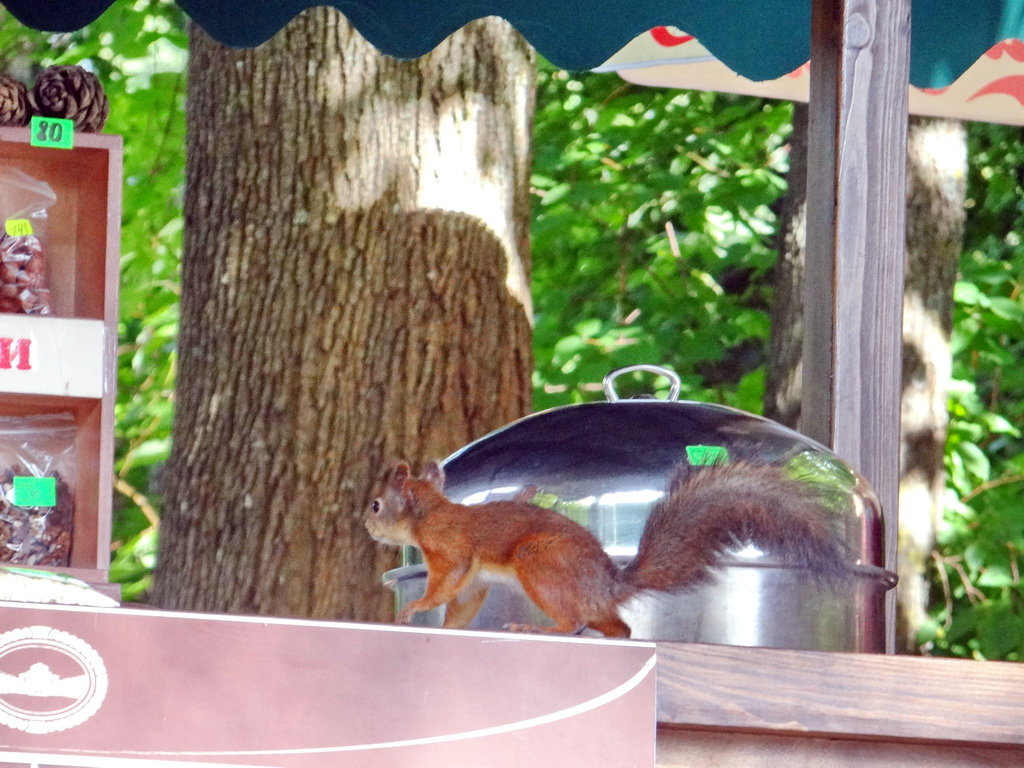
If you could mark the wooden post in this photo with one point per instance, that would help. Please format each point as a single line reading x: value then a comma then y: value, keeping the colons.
x: 855, y: 240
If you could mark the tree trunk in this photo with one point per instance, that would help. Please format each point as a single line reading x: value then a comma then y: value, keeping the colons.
x: 936, y: 190
x: 783, y: 378
x: 936, y: 178
x: 354, y: 291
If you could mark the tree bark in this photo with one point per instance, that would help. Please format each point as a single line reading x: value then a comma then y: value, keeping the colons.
x: 354, y: 291
x: 783, y: 377
x: 936, y: 191
x: 936, y: 178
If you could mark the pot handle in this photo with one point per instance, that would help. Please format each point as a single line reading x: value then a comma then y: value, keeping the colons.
x: 609, y: 381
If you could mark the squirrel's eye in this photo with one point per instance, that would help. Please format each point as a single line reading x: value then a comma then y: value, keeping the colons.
x: 375, y: 507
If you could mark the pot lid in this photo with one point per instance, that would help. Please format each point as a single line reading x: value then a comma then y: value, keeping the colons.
x: 606, y: 464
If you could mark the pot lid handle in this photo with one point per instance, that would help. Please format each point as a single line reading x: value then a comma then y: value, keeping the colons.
x: 609, y: 380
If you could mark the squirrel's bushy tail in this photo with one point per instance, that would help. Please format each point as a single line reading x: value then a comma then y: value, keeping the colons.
x: 708, y: 510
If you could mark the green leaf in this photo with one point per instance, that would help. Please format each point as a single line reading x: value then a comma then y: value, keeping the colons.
x: 975, y: 461
x: 999, y: 424
x: 1007, y: 309
x: 967, y: 293
x: 1000, y: 632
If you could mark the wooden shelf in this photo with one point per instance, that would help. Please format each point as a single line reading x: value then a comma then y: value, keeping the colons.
x: 752, y: 706
x: 72, y: 353
x: 83, y: 228
x: 56, y: 356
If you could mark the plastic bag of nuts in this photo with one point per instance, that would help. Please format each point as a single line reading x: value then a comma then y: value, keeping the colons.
x: 37, y: 463
x: 23, y: 281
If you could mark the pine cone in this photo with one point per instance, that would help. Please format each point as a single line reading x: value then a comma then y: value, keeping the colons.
x: 71, y: 92
x: 13, y: 102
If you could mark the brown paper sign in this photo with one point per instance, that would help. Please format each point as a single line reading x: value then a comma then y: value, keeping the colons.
x: 89, y: 688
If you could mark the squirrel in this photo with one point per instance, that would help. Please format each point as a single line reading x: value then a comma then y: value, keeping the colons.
x: 564, y: 569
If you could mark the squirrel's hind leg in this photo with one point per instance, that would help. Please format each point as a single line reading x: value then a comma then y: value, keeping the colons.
x: 555, y: 604
x: 611, y: 627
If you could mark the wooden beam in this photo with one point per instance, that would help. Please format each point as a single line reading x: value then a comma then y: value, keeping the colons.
x: 855, y: 239
x: 842, y: 695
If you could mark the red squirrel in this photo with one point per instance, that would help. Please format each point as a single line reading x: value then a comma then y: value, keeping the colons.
x: 562, y: 566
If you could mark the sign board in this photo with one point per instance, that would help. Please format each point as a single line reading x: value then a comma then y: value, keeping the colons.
x: 52, y: 356
x: 89, y: 687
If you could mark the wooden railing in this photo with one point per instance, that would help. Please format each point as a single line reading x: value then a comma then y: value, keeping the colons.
x: 729, y: 706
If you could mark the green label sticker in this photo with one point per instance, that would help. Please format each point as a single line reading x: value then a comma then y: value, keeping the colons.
x: 707, y: 455
x: 35, y: 492
x: 18, y: 227
x: 56, y: 132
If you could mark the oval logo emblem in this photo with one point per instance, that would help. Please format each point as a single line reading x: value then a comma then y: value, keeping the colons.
x: 50, y: 680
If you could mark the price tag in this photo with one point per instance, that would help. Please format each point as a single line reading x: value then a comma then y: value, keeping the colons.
x: 707, y: 455
x: 58, y: 132
x: 35, y: 492
x: 18, y: 227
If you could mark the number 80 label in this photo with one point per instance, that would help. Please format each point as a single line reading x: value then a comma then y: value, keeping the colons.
x: 58, y: 132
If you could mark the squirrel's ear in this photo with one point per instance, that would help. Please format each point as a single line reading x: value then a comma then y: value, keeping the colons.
x: 433, y: 474
x: 399, y: 475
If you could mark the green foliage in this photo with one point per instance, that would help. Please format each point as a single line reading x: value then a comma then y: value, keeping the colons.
x: 652, y: 235
x: 978, y: 606
x: 138, y: 51
x: 616, y: 164
x: 147, y: 108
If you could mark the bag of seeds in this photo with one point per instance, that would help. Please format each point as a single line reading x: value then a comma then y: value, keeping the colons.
x: 37, y: 465
x: 23, y: 281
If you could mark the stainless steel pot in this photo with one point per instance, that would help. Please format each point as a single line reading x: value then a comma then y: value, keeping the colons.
x: 606, y: 464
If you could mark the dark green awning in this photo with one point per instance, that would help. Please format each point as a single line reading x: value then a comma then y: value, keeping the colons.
x: 760, y: 39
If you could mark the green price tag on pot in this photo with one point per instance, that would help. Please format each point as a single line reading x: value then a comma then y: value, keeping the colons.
x: 35, y: 492
x: 58, y: 132
x: 707, y: 455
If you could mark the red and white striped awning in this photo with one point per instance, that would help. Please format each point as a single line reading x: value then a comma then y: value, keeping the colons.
x: 991, y: 90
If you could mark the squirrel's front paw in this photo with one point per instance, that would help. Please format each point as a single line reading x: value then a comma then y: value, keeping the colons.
x: 405, y: 615
x: 521, y: 628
